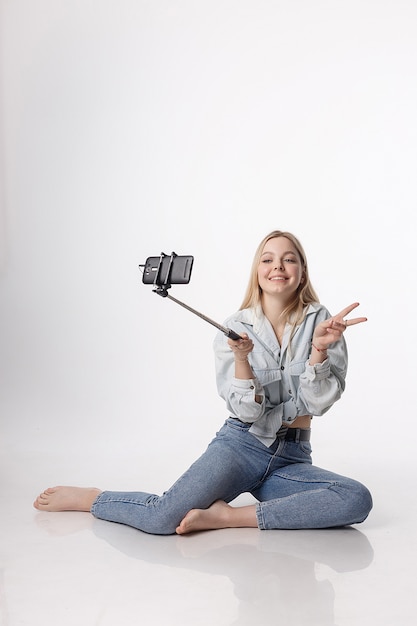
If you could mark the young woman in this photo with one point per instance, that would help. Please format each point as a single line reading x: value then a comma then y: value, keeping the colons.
x: 289, y: 365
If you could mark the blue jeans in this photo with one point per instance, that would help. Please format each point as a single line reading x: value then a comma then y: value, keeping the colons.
x: 291, y: 492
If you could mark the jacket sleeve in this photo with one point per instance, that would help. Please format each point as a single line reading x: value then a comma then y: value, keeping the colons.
x: 238, y: 394
x: 321, y: 385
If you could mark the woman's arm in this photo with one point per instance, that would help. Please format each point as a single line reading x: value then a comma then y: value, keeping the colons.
x: 323, y: 380
x: 236, y: 381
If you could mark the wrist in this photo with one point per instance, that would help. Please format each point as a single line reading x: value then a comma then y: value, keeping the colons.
x: 318, y: 349
x: 245, y: 360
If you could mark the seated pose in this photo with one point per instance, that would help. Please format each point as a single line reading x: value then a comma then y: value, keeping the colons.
x: 289, y: 365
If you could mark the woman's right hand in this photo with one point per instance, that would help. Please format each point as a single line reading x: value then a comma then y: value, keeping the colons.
x: 241, y: 347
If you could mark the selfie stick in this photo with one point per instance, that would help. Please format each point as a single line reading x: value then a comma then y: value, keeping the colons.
x: 161, y: 288
x: 227, y: 331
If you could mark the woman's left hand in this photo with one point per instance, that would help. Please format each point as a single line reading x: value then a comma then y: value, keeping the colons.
x: 332, y: 329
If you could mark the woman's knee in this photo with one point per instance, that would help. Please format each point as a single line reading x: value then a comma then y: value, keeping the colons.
x: 366, y: 500
x: 358, y: 500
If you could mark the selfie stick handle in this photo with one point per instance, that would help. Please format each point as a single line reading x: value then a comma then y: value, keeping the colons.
x: 227, y: 331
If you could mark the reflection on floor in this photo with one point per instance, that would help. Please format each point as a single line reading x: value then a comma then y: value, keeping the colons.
x: 69, y: 569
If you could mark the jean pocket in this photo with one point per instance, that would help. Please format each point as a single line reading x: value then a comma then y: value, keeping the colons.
x: 297, y: 452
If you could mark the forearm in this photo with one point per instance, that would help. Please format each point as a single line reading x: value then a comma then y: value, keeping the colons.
x: 318, y: 354
x: 243, y: 371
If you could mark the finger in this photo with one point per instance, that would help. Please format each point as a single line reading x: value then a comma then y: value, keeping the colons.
x: 234, y: 342
x: 240, y: 344
x: 336, y: 324
x: 356, y: 320
x: 346, y: 311
x: 340, y: 324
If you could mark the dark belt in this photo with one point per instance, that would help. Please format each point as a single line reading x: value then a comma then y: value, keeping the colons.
x: 294, y: 434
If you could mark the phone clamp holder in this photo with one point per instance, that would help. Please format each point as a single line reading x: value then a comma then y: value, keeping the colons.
x: 162, y: 283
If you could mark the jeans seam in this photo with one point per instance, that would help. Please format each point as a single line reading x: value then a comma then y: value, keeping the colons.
x: 260, y: 516
x: 328, y: 483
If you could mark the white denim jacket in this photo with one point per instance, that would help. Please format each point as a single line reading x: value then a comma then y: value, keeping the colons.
x: 288, y: 385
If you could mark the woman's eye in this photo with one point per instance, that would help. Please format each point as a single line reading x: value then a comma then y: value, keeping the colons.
x: 289, y: 260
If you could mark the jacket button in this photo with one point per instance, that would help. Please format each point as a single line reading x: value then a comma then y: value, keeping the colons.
x: 282, y: 367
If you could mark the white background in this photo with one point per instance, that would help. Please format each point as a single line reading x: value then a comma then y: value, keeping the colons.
x: 138, y: 126
x: 132, y: 127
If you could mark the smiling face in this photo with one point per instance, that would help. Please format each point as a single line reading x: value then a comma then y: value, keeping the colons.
x: 280, y: 269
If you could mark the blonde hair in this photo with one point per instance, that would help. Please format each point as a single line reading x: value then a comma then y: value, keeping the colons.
x: 305, y: 294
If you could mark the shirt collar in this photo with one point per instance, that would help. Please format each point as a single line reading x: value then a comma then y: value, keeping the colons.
x: 255, y: 316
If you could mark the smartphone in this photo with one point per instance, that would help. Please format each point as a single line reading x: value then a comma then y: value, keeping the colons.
x: 156, y: 269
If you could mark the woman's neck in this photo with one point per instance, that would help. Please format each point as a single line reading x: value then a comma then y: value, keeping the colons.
x: 273, y: 309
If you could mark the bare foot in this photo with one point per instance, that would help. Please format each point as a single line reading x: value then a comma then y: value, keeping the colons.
x: 66, y: 499
x: 218, y: 515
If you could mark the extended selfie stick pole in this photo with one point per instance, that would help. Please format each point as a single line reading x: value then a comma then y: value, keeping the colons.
x: 227, y: 331
x: 161, y: 288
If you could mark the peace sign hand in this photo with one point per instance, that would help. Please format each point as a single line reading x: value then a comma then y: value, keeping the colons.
x: 332, y: 329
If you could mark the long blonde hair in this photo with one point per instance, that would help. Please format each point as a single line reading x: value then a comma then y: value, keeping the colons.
x: 305, y: 294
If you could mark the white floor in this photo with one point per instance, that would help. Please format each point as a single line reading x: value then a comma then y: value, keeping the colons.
x: 72, y: 570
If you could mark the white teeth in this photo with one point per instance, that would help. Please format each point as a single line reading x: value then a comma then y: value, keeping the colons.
x: 277, y: 278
